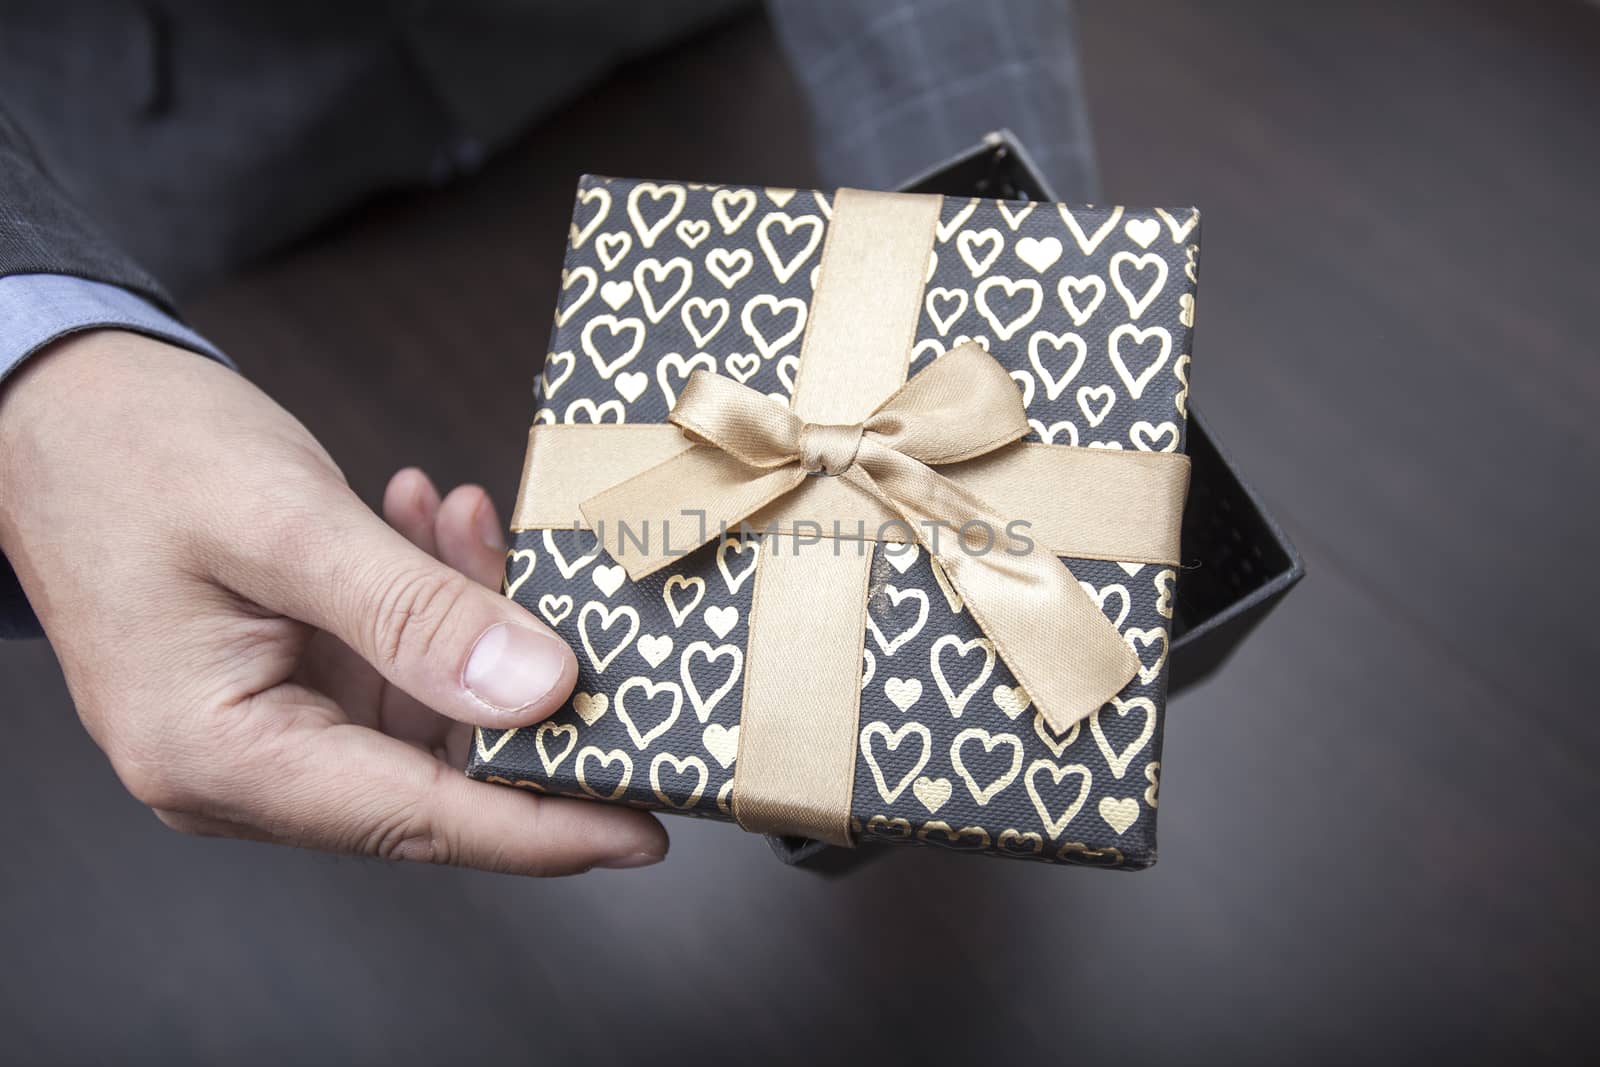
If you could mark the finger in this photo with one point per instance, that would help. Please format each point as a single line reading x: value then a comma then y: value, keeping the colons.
x: 456, y: 646
x: 468, y: 534
x: 469, y: 538
x: 347, y: 789
x: 411, y: 505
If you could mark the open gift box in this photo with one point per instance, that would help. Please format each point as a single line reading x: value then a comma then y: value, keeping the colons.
x: 1007, y: 702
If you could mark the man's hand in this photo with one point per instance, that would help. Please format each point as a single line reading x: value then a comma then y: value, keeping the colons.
x: 259, y: 654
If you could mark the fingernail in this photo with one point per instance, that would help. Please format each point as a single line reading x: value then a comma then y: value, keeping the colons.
x: 513, y: 666
x: 488, y: 524
x: 633, y: 859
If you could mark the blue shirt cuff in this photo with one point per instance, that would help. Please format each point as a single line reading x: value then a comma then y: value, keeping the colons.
x: 36, y: 309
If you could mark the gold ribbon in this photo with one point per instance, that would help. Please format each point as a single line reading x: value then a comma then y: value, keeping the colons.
x: 857, y: 451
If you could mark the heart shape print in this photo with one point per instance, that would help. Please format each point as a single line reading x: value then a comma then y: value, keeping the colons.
x: 663, y: 717
x: 549, y: 759
x: 1039, y: 253
x: 886, y: 607
x: 932, y: 793
x: 1057, y: 343
x: 1087, y: 243
x: 1119, y: 813
x: 798, y: 250
x: 514, y: 578
x: 680, y: 768
x: 1009, y: 305
x: 957, y: 702
x: 605, y: 760
x: 612, y: 343
x: 729, y: 265
x: 651, y: 220
x: 732, y: 207
x: 738, y: 547
x: 979, y: 249
x: 1074, y: 294
x: 1128, y: 262
x: 1151, y: 363
x: 892, y: 739
x: 706, y: 699
x: 761, y: 319
x: 594, y: 610
x: 983, y: 794
x: 662, y: 285
x: 1118, y: 761
x: 704, y: 319
x: 1056, y: 824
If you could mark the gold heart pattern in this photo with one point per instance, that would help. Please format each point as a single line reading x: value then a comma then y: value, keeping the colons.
x: 1091, y: 311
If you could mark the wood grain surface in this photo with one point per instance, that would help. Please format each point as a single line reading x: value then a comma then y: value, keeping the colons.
x: 1378, y: 823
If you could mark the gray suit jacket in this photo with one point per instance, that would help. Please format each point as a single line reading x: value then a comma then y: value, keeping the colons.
x: 154, y: 144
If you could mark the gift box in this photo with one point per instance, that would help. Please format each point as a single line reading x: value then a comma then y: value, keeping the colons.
x: 760, y: 409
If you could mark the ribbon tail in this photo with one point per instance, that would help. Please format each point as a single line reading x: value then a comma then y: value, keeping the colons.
x: 1050, y: 633
x: 1064, y: 651
x: 660, y: 515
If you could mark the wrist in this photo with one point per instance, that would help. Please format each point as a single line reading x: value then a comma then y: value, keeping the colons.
x: 25, y: 398
x: 71, y: 388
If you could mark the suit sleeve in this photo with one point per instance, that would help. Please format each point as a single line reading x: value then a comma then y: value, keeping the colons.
x: 898, y: 86
x: 43, y: 232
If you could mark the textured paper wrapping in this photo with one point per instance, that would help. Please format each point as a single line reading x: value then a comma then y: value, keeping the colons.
x: 1091, y: 309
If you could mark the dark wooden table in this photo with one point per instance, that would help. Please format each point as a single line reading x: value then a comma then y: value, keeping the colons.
x: 1379, y: 832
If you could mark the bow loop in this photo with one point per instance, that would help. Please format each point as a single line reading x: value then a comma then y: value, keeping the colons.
x: 962, y: 406
x: 734, y: 418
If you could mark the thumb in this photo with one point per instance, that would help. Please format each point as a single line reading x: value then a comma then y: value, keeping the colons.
x: 454, y: 645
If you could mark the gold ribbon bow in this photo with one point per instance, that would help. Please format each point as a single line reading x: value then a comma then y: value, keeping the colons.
x: 750, y: 452
x: 852, y: 459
